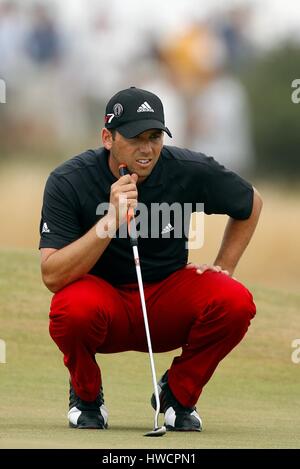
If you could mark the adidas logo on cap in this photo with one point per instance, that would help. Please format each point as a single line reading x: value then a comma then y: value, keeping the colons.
x: 145, y: 107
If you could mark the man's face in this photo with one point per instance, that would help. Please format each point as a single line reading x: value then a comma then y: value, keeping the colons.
x: 140, y: 154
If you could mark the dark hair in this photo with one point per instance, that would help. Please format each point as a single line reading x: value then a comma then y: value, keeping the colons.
x: 113, y: 133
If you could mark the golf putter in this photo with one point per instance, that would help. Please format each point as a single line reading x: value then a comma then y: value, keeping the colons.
x: 157, y: 431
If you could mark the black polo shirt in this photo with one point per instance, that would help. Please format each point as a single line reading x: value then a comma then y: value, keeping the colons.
x: 75, y: 189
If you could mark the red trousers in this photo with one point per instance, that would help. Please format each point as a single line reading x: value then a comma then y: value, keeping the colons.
x: 206, y: 315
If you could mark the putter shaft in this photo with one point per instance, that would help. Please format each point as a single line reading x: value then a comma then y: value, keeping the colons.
x: 157, y: 431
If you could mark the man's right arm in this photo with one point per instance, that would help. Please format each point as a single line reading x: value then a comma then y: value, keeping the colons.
x: 62, y: 266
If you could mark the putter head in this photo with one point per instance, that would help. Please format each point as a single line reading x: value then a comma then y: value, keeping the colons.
x: 159, y: 431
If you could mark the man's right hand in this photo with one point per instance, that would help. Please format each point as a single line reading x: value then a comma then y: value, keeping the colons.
x: 63, y: 266
x: 123, y: 195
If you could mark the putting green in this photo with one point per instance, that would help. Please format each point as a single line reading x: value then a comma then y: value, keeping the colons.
x: 252, y: 401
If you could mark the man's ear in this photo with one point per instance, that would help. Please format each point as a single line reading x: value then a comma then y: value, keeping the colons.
x: 106, y: 138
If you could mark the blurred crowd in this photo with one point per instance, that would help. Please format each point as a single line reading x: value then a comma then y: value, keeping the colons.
x: 58, y: 79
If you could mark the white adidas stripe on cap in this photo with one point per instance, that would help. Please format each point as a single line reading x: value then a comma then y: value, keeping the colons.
x: 145, y: 107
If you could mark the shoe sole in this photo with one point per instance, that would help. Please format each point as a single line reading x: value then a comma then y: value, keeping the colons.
x: 81, y: 427
x: 172, y: 429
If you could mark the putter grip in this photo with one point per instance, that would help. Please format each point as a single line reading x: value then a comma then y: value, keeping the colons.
x: 123, y: 170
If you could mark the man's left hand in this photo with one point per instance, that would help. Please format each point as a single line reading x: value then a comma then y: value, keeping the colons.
x: 200, y: 268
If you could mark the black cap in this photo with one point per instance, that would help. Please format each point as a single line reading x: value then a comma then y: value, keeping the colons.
x: 132, y: 111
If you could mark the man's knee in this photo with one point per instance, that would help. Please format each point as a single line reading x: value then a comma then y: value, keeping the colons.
x: 77, y: 305
x: 238, y: 307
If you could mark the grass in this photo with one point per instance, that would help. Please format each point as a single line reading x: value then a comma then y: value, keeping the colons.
x: 252, y: 401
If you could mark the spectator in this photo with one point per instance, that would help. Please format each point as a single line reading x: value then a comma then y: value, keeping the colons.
x: 43, y: 44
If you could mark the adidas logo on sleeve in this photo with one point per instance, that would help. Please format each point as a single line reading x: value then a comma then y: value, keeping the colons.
x: 145, y: 107
x: 45, y: 228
